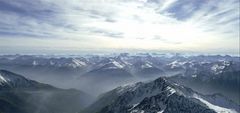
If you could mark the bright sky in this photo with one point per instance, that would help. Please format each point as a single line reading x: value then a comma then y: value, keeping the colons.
x: 210, y: 26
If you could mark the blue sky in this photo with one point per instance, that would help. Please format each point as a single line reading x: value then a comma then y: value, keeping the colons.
x: 210, y: 26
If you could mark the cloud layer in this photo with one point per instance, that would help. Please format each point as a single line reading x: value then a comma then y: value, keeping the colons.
x: 175, y: 25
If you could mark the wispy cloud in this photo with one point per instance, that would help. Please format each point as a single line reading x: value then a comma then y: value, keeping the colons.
x: 184, y: 24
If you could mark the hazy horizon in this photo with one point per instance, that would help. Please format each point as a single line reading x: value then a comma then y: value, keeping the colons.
x: 115, y: 52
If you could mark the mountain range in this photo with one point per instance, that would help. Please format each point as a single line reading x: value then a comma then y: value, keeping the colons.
x: 99, y: 73
x: 126, y: 83
x: 21, y: 95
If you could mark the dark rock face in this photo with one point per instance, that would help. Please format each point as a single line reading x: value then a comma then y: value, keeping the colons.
x: 152, y: 97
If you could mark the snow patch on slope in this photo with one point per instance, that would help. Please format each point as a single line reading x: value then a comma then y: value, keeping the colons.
x: 3, y: 80
x: 217, y: 68
x: 35, y: 63
x: 117, y: 64
x: 216, y: 108
x: 146, y: 65
x: 77, y: 63
x: 176, y: 64
x: 160, y: 111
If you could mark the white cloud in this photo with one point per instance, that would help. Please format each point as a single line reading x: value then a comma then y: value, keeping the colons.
x: 120, y: 24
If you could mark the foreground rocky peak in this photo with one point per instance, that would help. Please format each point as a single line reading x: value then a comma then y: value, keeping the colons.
x: 158, y: 96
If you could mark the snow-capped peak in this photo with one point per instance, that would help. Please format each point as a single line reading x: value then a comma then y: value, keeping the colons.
x: 161, y: 95
x: 12, y: 80
x: 112, y: 64
x: 7, y: 78
x: 147, y: 89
